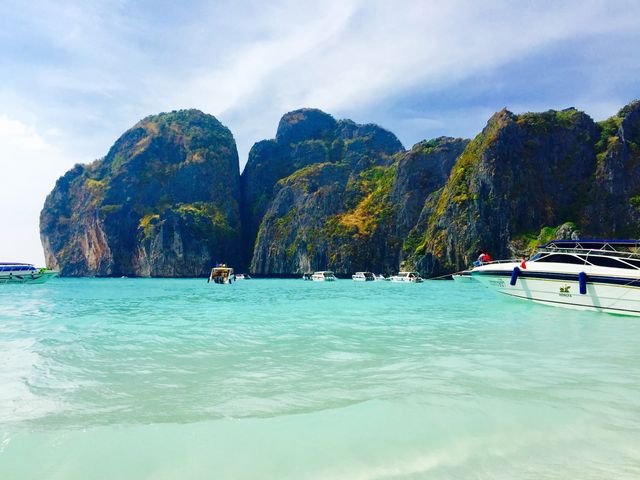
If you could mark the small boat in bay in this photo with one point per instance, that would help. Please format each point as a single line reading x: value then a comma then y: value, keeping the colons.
x: 324, y: 276
x: 24, y: 273
x: 600, y: 275
x: 243, y: 276
x: 407, y: 277
x: 221, y: 275
x: 363, y: 277
x: 463, y: 276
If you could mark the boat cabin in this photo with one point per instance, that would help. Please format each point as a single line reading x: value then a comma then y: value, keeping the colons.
x: 323, y: 276
x: 363, y: 277
x: 221, y: 275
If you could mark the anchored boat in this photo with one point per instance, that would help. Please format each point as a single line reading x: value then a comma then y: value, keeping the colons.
x: 407, y: 277
x: 24, y: 273
x: 363, y: 277
x: 223, y: 275
x: 463, y: 276
x: 323, y: 276
x: 601, y: 275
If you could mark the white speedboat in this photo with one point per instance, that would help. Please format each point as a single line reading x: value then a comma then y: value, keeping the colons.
x: 24, y: 273
x: 601, y: 275
x: 323, y: 276
x: 463, y: 277
x: 381, y: 278
x: 243, y: 276
x: 363, y: 277
x: 407, y: 277
x: 221, y: 275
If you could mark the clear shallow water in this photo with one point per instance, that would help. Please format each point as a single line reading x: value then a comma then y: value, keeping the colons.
x: 285, y: 379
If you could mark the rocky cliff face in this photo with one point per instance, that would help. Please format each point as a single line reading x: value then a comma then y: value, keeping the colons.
x: 349, y: 207
x: 167, y: 200
x: 421, y: 174
x: 614, y: 209
x: 163, y: 202
x: 304, y: 138
x: 526, y: 175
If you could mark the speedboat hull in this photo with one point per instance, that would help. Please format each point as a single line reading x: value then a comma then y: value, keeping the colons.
x: 29, y: 277
x: 603, y: 293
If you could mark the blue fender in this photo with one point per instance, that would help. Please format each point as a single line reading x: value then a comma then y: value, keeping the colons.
x: 514, y: 276
x: 582, y: 280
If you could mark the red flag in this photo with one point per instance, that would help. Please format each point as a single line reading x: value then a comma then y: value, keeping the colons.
x: 523, y: 264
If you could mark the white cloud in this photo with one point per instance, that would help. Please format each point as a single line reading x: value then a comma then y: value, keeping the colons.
x: 29, y: 167
x: 344, y: 58
x: 78, y: 74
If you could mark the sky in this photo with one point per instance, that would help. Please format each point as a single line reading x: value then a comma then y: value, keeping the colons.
x: 74, y: 75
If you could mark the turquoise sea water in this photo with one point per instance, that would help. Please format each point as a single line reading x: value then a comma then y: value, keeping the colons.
x: 285, y: 379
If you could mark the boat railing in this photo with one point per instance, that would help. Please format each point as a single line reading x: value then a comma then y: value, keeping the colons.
x: 590, y: 251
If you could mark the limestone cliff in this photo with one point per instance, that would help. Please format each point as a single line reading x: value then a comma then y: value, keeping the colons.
x: 349, y: 206
x: 164, y: 201
x: 168, y: 200
x: 524, y: 176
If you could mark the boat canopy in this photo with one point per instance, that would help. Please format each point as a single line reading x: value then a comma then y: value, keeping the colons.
x: 607, y: 245
x: 15, y: 267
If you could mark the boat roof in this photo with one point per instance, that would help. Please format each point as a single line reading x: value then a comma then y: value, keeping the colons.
x: 6, y: 264
x: 592, y: 244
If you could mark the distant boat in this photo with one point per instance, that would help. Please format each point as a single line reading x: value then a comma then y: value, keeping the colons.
x: 24, y: 273
x: 243, y: 276
x: 464, y: 276
x: 221, y: 275
x: 307, y: 276
x: 407, y: 277
x: 363, y: 277
x: 381, y: 278
x: 324, y: 276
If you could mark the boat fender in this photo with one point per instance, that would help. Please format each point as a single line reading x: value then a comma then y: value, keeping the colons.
x: 514, y: 276
x: 582, y: 280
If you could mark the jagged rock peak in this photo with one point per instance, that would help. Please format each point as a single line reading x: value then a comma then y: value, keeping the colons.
x: 163, y: 202
x: 304, y: 124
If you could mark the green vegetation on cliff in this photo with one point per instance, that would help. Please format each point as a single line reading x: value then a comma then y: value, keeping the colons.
x: 168, y: 200
x: 525, y: 173
x: 163, y: 202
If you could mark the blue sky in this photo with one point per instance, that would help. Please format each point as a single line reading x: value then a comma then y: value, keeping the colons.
x: 76, y: 75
